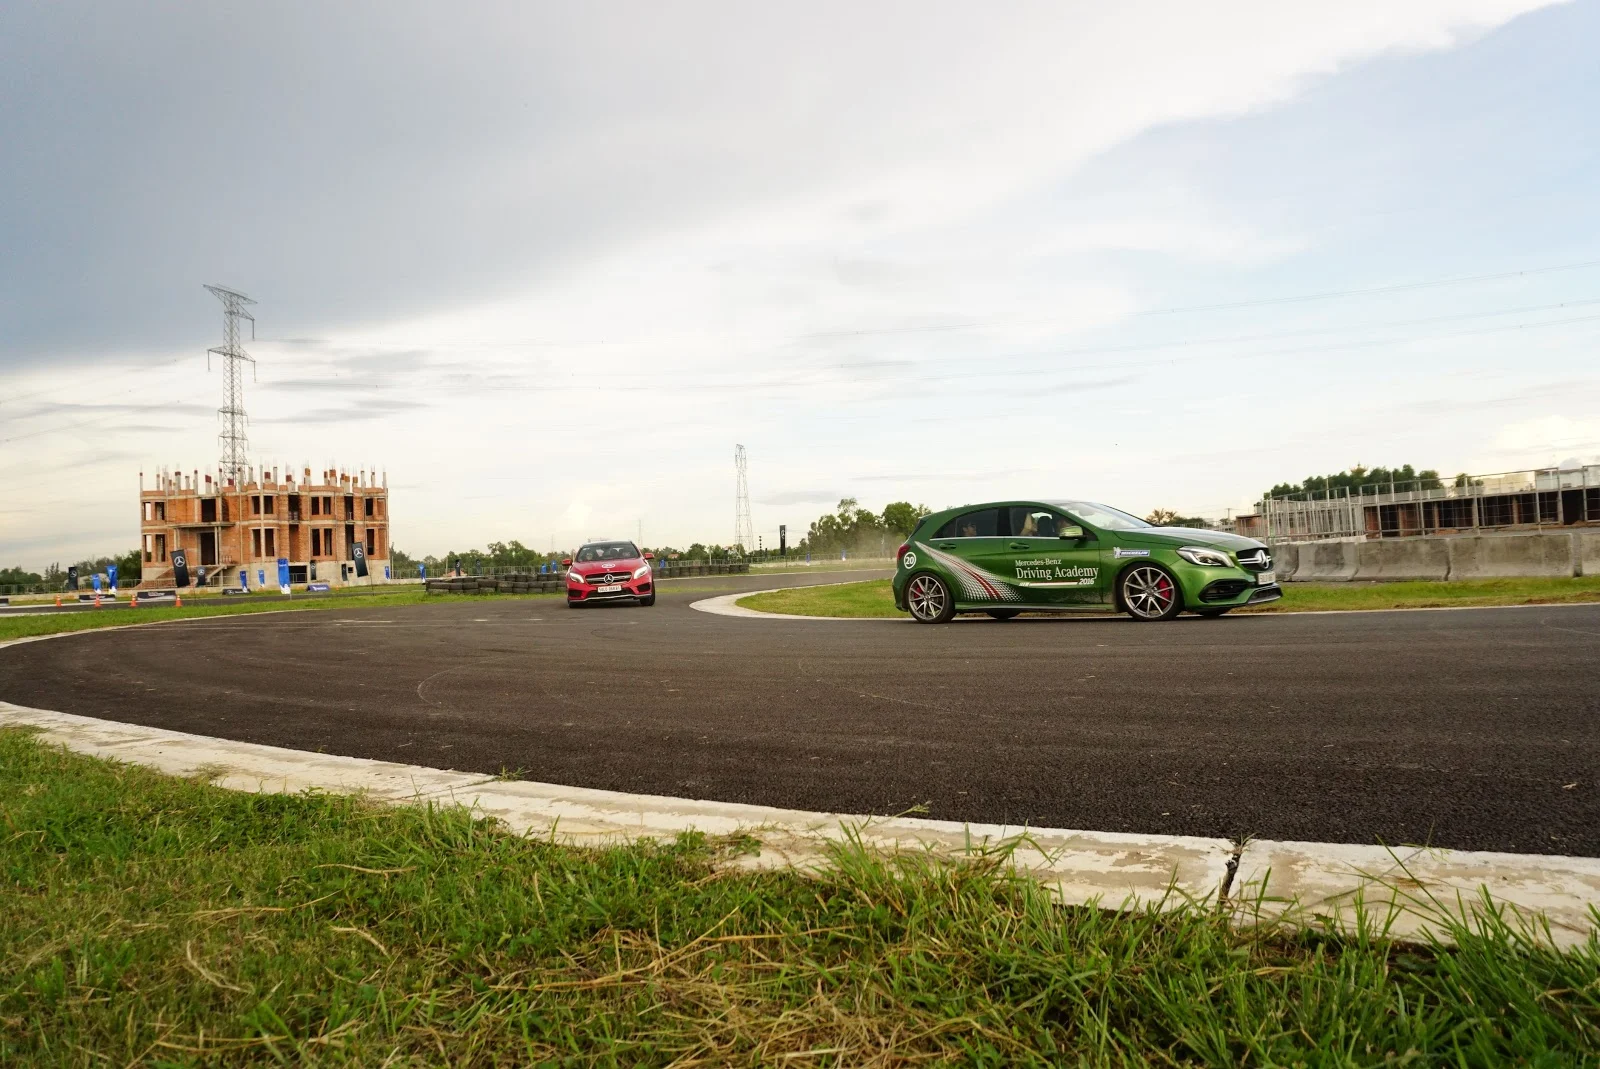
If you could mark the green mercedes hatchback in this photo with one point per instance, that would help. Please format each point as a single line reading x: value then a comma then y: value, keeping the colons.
x: 1011, y: 557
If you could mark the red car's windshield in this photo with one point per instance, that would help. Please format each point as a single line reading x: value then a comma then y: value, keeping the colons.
x: 607, y: 551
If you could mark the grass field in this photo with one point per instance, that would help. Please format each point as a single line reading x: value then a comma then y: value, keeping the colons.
x: 872, y: 600
x: 147, y: 920
x: 23, y: 626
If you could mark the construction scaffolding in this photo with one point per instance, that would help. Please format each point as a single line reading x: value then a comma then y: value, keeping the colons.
x: 1517, y: 500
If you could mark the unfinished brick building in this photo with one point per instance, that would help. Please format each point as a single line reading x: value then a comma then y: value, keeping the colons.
x: 230, y: 529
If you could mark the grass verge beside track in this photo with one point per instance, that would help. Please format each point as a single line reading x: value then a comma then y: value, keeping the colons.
x: 152, y: 920
x: 874, y: 600
x: 24, y: 626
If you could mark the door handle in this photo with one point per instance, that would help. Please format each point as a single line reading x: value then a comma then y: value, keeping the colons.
x: 1020, y: 545
x: 944, y: 545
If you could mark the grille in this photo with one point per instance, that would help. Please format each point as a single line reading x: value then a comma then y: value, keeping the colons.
x: 1255, y: 560
x: 1223, y: 589
x: 609, y: 577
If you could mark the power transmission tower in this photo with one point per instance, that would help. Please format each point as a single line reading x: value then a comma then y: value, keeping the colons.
x: 743, y: 529
x: 233, y: 440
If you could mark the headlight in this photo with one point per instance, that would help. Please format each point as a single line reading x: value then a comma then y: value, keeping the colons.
x: 641, y: 571
x: 1210, y: 558
x: 573, y: 577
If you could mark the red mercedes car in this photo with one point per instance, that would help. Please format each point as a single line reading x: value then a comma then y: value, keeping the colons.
x: 610, y: 571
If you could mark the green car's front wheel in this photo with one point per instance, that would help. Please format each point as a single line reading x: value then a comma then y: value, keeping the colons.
x: 1149, y: 592
x: 929, y: 599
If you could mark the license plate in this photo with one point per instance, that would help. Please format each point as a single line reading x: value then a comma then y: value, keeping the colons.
x: 1263, y: 578
x: 611, y: 588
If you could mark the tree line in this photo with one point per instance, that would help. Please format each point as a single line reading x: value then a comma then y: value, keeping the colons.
x: 54, y: 578
x: 1356, y: 478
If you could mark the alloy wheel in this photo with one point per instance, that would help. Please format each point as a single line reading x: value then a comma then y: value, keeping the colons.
x: 1149, y: 592
x: 927, y: 598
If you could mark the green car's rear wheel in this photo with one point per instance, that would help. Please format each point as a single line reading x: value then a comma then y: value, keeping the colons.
x: 1149, y: 592
x: 929, y: 599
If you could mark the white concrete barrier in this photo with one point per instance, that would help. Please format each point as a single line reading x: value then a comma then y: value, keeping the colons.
x: 1403, y: 558
x: 1586, y: 552
x: 1324, y: 562
x: 1533, y: 554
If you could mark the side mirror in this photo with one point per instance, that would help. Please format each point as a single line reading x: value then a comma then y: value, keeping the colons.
x: 567, y: 561
x: 1073, y: 532
x: 648, y: 555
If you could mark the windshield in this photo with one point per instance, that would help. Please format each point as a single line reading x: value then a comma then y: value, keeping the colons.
x: 1102, y: 516
x: 607, y: 551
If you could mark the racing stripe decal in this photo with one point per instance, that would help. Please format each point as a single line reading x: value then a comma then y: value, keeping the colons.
x: 976, y: 584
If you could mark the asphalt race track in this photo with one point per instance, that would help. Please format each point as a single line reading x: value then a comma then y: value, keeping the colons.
x: 1475, y: 728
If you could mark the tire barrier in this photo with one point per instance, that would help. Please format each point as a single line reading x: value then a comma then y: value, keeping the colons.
x: 553, y: 582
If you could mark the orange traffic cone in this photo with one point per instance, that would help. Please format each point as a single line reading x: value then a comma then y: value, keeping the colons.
x: 180, y: 600
x: 58, y: 601
x: 97, y: 601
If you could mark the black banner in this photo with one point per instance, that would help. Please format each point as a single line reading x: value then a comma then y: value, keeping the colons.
x: 72, y: 577
x: 180, y: 569
x: 783, y: 539
x: 359, y: 552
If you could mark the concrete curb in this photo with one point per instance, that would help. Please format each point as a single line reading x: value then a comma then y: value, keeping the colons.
x: 1079, y: 866
x: 728, y: 605
x: 1413, y: 892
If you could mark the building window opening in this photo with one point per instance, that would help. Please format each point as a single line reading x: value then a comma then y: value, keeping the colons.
x: 372, y: 542
x: 208, y: 510
x: 255, y: 505
x: 316, y: 506
x: 349, y: 537
x: 368, y: 506
x: 267, y: 503
x: 349, y: 506
x: 255, y: 542
x: 271, y: 538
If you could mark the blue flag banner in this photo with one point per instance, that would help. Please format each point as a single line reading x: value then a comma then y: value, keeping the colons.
x: 318, y: 588
x: 244, y: 580
x: 283, y: 574
x: 261, y: 578
x: 386, y: 571
x: 97, y: 582
x: 111, y: 574
x: 422, y: 571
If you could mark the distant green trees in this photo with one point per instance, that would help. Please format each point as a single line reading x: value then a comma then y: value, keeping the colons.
x: 512, y: 554
x: 1359, y: 476
x: 1170, y: 518
x: 853, y: 529
x: 130, y: 566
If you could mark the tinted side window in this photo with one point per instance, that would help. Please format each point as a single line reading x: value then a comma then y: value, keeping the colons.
x: 1034, y: 522
x: 984, y: 523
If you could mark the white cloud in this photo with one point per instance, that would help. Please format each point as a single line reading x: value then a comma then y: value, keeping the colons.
x: 501, y: 247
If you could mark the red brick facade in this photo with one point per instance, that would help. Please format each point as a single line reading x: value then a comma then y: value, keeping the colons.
x: 226, y: 529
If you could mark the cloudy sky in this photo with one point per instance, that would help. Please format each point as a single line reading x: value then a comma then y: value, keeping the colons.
x: 547, y: 264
